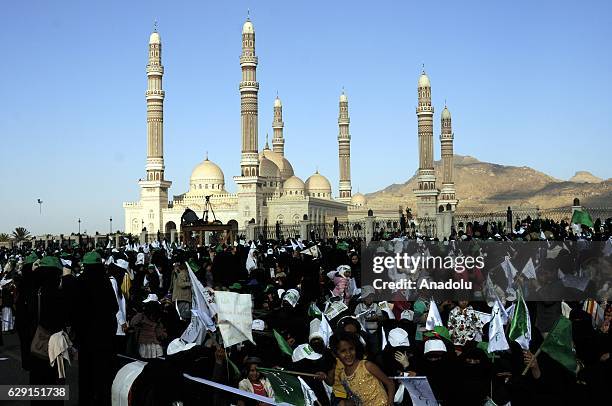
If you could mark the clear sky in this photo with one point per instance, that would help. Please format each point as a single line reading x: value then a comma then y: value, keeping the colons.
x: 527, y: 82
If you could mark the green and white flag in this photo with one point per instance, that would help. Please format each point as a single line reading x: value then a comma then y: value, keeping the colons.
x: 520, y: 326
x: 289, y: 388
x: 582, y: 217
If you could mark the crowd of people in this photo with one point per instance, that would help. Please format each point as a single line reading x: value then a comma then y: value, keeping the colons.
x: 108, y: 306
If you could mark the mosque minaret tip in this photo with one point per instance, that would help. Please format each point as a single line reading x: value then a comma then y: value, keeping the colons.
x: 426, y: 192
x: 344, y: 149
x: 278, y: 142
x: 249, y: 87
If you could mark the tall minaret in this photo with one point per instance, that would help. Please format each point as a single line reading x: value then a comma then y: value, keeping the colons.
x: 250, y: 196
x: 344, y: 150
x: 154, y: 189
x: 426, y: 191
x: 278, y: 142
x: 447, y: 194
x: 249, y: 160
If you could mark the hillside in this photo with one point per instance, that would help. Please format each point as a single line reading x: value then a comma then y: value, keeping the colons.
x: 488, y: 186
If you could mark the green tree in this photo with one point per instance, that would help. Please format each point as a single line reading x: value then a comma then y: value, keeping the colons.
x: 20, y: 234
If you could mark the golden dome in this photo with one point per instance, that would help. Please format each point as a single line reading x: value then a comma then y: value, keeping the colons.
x: 208, y: 177
x: 317, y: 185
x: 358, y: 199
x: 286, y: 170
x: 154, y: 38
x: 294, y: 183
x: 268, y: 169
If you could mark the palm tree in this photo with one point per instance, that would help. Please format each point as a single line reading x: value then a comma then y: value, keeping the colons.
x: 20, y: 234
x: 4, y: 237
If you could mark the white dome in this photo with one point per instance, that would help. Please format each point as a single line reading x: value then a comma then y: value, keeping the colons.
x: 294, y: 183
x: 358, y: 199
x: 208, y: 177
x: 247, y: 28
x: 268, y: 169
x: 343, y: 97
x: 277, y: 102
x: 317, y: 185
x: 286, y: 170
x: 154, y: 38
x: 446, y: 114
x: 424, y: 80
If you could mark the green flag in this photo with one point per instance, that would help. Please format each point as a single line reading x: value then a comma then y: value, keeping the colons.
x: 194, y: 265
x: 313, y: 311
x: 234, y: 368
x: 582, y: 217
x: 342, y: 245
x: 484, y: 346
x: 520, y: 327
x: 282, y: 344
x: 558, y: 344
x: 287, y: 388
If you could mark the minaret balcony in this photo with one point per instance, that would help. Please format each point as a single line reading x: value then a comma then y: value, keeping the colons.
x: 248, y: 60
x: 249, y: 85
x: 155, y: 92
x: 155, y: 70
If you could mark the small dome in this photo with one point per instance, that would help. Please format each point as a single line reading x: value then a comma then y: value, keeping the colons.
x: 247, y: 28
x: 318, y: 186
x: 281, y: 162
x: 208, y: 178
x: 424, y: 80
x: 293, y: 183
x: 343, y: 97
x: 358, y: 199
x: 277, y: 102
x: 445, y: 114
x: 268, y: 169
x: 154, y: 38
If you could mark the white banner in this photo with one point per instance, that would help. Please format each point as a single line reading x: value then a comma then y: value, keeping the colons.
x: 419, y: 390
x: 235, y: 318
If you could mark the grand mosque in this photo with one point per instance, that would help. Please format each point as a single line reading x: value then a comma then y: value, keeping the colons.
x: 268, y: 191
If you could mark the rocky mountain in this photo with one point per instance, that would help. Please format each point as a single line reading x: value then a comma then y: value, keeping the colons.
x: 493, y: 187
x: 585, y: 177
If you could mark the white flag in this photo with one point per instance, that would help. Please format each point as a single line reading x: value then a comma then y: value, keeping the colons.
x: 325, y: 330
x: 529, y: 270
x: 235, y: 317
x: 310, y: 399
x: 384, y: 338
x: 497, y: 337
x: 509, y: 270
x: 433, y: 316
x: 201, y: 312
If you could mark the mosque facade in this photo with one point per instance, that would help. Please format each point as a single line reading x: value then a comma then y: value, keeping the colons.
x: 268, y: 191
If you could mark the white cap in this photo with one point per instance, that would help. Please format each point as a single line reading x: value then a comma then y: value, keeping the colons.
x: 177, y: 345
x: 304, y: 351
x: 434, y: 345
x: 314, y: 329
x: 343, y: 269
x: 122, y: 263
x: 367, y: 291
x: 258, y: 325
x: 407, y: 315
x: 398, y: 337
x: 151, y: 298
x: 292, y: 297
x: 270, y: 251
x: 140, y: 258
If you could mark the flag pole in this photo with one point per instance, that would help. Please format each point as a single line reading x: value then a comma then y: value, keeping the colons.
x: 287, y: 372
x: 531, y: 362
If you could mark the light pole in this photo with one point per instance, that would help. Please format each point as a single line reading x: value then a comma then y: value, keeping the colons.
x: 111, y: 225
x: 79, y: 226
x: 40, y: 202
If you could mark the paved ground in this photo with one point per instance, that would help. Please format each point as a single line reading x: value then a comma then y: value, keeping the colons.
x: 11, y: 372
